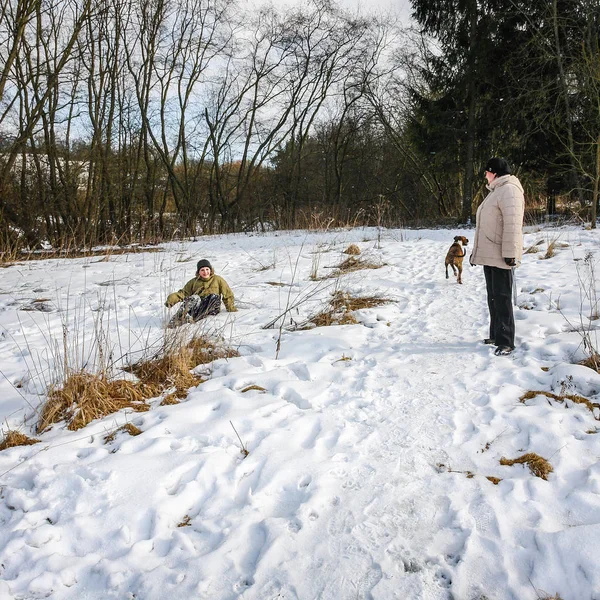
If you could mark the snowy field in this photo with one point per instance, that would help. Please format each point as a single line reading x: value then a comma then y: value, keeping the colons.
x: 370, y: 447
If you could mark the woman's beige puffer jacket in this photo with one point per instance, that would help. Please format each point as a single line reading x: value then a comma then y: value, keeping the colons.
x: 499, y: 231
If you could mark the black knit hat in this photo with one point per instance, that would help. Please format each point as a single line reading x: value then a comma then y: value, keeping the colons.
x: 204, y: 263
x: 497, y: 166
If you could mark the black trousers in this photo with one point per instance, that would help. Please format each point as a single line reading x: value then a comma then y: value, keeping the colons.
x: 499, y: 284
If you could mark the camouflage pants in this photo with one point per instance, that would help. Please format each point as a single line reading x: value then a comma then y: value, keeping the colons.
x: 195, y: 308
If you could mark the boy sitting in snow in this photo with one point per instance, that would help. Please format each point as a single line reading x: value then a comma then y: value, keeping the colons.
x: 201, y: 296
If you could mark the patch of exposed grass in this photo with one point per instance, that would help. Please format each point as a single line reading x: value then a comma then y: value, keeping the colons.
x: 170, y: 400
x: 85, y: 397
x: 343, y: 300
x: 592, y: 362
x: 551, y: 250
x: 531, y: 250
x: 352, y: 264
x: 276, y: 283
x: 258, y: 388
x: 129, y: 428
x: 15, y: 438
x: 329, y: 317
x: 343, y: 359
x: 494, y: 480
x: 171, y: 368
x: 538, y: 465
x: 561, y: 398
x: 341, y: 307
x: 352, y: 249
x: 185, y: 522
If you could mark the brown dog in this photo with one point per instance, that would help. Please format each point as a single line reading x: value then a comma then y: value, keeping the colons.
x: 455, y: 256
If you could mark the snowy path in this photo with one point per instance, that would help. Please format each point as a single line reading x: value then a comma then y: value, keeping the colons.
x: 369, y: 453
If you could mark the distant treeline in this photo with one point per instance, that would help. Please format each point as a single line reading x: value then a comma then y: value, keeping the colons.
x: 130, y: 121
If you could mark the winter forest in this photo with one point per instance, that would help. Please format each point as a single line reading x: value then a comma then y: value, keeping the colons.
x: 144, y: 121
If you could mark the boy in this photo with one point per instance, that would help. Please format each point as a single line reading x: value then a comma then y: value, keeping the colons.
x: 201, y: 296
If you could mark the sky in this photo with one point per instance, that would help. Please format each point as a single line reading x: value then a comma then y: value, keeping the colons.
x: 374, y: 449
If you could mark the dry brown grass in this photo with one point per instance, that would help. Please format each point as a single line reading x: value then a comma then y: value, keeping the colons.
x: 129, y: 428
x: 343, y: 300
x: 170, y: 400
x: 15, y: 438
x: 85, y: 397
x: 258, y: 388
x: 592, y: 362
x: 341, y: 307
x: 352, y: 249
x: 551, y: 250
x: 561, y: 398
x: 538, y: 465
x: 185, y: 522
x: 531, y: 250
x: 343, y: 359
x: 352, y: 264
x: 326, y: 318
x: 494, y: 480
x: 172, y: 367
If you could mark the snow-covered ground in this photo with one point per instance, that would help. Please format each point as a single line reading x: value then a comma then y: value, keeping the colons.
x: 366, y: 477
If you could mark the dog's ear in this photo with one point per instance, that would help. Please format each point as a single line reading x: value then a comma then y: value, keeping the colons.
x: 456, y: 238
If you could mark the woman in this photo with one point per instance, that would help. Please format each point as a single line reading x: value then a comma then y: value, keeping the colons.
x: 498, y: 247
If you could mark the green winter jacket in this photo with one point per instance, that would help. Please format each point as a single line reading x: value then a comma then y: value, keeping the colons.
x: 203, y: 287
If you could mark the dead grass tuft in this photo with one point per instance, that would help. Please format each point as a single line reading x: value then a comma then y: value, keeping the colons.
x: 551, y: 250
x: 326, y: 318
x: 15, y: 438
x: 538, y: 465
x: 343, y: 359
x: 531, y: 250
x: 172, y: 368
x: 352, y: 264
x: 494, y: 480
x: 129, y: 428
x: 341, y: 307
x: 185, y: 522
x: 561, y: 398
x: 85, y: 397
x: 592, y: 362
x: 170, y: 400
x: 352, y: 249
x: 343, y: 300
x: 258, y: 388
